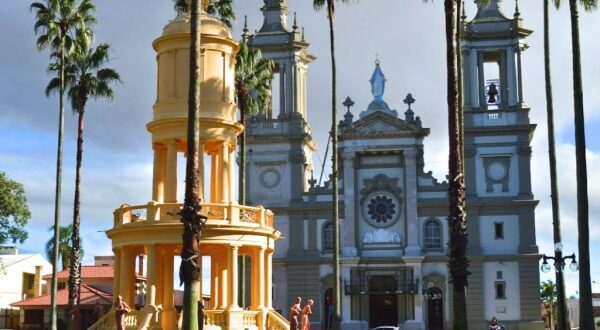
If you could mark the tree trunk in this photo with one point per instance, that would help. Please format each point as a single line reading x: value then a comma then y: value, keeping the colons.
x: 57, y: 193
x: 586, y: 320
x: 74, y: 258
x: 458, y: 263
x: 337, y: 311
x: 560, y: 286
x: 189, y: 271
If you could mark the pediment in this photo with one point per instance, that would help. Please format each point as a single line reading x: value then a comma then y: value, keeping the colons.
x: 383, y: 124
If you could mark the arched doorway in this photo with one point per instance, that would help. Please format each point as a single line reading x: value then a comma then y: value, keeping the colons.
x: 383, y: 301
x: 435, y: 309
x: 328, y: 308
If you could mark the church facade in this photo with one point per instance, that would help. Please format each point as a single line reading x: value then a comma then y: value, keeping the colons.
x: 393, y: 224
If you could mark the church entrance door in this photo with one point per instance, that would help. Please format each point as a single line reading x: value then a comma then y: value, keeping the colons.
x: 383, y: 301
x: 435, y: 310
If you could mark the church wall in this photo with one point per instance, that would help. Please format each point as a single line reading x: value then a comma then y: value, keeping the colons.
x: 507, y: 243
x: 282, y: 245
x: 509, y: 306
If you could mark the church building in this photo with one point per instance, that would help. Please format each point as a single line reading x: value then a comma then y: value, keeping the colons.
x: 393, y: 214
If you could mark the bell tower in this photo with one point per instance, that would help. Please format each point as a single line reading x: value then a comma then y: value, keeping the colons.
x: 497, y: 137
x: 279, y: 140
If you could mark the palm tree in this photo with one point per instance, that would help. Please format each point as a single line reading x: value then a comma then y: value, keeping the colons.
x: 64, y: 245
x: 548, y: 294
x: 458, y: 263
x: 220, y: 8
x: 189, y: 271
x: 252, y: 84
x: 59, y: 23
x: 561, y: 315
x: 585, y: 283
x: 336, y: 319
x: 87, y: 78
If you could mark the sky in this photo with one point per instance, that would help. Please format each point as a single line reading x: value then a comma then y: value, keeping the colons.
x: 406, y: 35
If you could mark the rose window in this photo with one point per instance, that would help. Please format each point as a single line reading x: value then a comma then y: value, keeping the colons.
x: 381, y: 209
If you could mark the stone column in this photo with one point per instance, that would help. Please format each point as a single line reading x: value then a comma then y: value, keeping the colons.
x: 268, y: 278
x: 214, y: 177
x: 158, y: 178
x: 117, y: 274
x: 214, y: 285
x: 349, y: 233
x: 519, y: 75
x: 417, y: 265
x: 171, y: 173
x: 169, y: 314
x: 511, y: 77
x: 412, y: 225
x: 473, y: 79
x: 481, y: 93
x: 201, y: 171
x: 151, y: 277
x: 231, y: 154
x: 233, y: 277
x: 224, y: 168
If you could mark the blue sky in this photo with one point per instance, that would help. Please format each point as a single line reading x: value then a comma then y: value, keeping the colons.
x: 406, y: 35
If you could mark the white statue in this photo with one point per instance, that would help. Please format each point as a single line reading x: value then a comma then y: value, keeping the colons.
x: 377, y: 82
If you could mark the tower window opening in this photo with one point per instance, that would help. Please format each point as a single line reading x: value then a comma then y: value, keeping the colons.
x: 500, y: 289
x: 499, y: 230
x: 275, y: 95
x: 492, y: 85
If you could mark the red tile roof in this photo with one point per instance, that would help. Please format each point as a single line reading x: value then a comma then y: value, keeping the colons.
x: 89, y: 296
x: 87, y: 272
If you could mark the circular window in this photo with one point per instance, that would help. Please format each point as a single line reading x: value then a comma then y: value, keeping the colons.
x: 270, y: 178
x: 381, y: 209
x: 496, y: 171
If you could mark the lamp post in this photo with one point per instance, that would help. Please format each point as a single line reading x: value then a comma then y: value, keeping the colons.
x: 559, y: 265
x: 431, y: 293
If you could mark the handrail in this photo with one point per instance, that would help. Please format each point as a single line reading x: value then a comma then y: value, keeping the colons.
x: 276, y: 321
x: 221, y: 213
x: 105, y: 322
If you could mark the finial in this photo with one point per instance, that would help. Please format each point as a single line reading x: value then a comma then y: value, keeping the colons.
x: 303, y: 33
x: 464, y: 12
x: 348, y: 103
x: 409, y: 100
x: 517, y: 13
x: 377, y: 61
x: 295, y: 26
x: 245, y: 29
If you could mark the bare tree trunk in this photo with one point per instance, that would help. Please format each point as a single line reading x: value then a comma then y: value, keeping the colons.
x: 561, y: 314
x: 189, y: 272
x: 337, y: 311
x: 74, y: 258
x: 586, y: 320
x: 57, y: 193
x: 458, y: 263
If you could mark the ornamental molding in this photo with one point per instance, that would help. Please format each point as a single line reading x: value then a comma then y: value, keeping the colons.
x: 382, y: 236
x: 380, y: 183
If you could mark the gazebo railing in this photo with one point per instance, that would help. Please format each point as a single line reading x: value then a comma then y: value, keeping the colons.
x: 221, y: 213
x: 276, y: 321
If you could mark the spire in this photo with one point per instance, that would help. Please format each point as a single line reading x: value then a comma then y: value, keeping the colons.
x: 517, y: 13
x: 275, y: 14
x: 295, y: 26
x: 377, y: 82
x: 463, y: 16
x: 245, y: 29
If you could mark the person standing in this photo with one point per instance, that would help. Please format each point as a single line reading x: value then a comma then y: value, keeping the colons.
x: 306, y: 312
x: 295, y: 310
x: 494, y: 324
x: 121, y: 309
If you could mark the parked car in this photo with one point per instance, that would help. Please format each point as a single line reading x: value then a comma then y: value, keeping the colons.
x: 386, y: 327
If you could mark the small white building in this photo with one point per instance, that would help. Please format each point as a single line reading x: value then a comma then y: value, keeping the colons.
x: 20, y: 278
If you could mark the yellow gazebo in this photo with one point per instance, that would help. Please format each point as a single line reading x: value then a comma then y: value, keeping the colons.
x: 232, y: 230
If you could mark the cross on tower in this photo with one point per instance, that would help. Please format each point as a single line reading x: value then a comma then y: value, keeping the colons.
x: 409, y: 100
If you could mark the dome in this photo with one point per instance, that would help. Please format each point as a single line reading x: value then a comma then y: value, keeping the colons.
x: 210, y: 25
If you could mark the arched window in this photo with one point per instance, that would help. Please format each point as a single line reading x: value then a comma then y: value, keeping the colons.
x: 327, y: 237
x: 433, y: 234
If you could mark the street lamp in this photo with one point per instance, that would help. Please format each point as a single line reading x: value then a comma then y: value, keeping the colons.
x: 559, y: 266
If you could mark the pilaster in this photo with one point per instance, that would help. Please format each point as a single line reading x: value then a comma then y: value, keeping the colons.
x: 412, y: 234
x: 349, y: 176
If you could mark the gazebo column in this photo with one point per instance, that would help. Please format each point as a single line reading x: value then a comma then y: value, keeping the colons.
x: 152, y: 276
x: 127, y: 276
x: 117, y: 274
x: 169, y: 314
x: 233, y: 277
x: 160, y: 275
x: 232, y: 182
x: 224, y: 169
x: 214, y: 177
x: 258, y: 279
x: 268, y: 278
x: 171, y: 173
x: 201, y: 171
x: 223, y: 281
x: 158, y: 178
x: 214, y: 285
